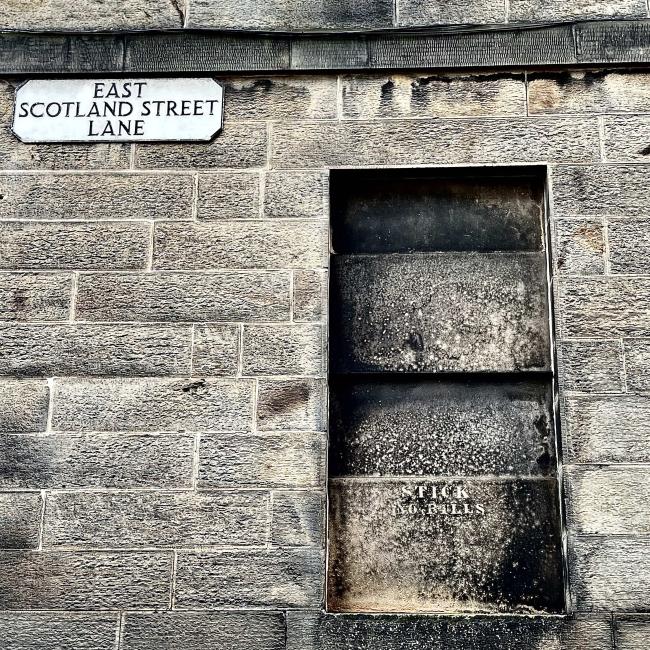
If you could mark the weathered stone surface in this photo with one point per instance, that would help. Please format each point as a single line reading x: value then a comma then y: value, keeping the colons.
x: 152, y: 405
x: 24, y: 405
x: 605, y: 190
x: 96, y: 196
x: 240, y: 245
x: 215, y: 350
x: 446, y: 312
x: 35, y: 296
x: 281, y: 98
x: 83, y: 246
x: 289, y: 16
x: 629, y: 240
x: 96, y: 461
x: 591, y: 366
x: 579, y: 246
x: 292, y: 404
x: 626, y: 138
x: 296, y: 195
x: 440, y: 428
x: 421, y: 142
x: 637, y: 364
x: 632, y: 631
x: 228, y: 296
x: 604, y: 307
x: 285, y: 578
x: 65, y: 580
x: 332, y: 51
x: 20, y: 518
x: 606, y: 429
x: 298, y: 519
x: 422, y: 94
x: 229, y: 195
x: 46, y: 350
x: 204, y: 631
x: 414, y: 13
x: 609, y: 573
x: 588, y: 91
x: 283, y: 350
x: 556, y: 10
x: 155, y: 519
x: 405, y: 211
x: 239, y: 146
x: 485, y: 546
x: 607, y: 501
x: 309, y: 295
x: 264, y: 460
x: 318, y: 631
x: 88, y: 16
x: 47, y: 630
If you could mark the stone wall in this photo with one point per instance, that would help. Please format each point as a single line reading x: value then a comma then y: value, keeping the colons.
x: 162, y: 462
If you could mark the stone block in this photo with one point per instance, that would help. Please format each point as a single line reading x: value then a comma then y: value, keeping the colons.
x: 413, y: 13
x: 608, y: 500
x: 203, y: 630
x: 629, y: 240
x: 215, y: 350
x: 277, y: 15
x: 309, y: 295
x: 295, y: 195
x: 588, y: 91
x: 292, y: 404
x: 606, y: 429
x: 281, y: 97
x: 46, y: 350
x: 295, y: 349
x: 482, y: 546
x: 240, y: 245
x: 238, y: 146
x: 561, y: 10
x: 422, y: 94
x: 609, y: 573
x: 282, y: 578
x: 285, y: 460
x: 637, y: 364
x: 579, y: 246
x: 35, y: 296
x: 604, y: 190
x: 96, y: 461
x: 20, y: 518
x: 150, y: 404
x: 96, y: 196
x: 88, y: 16
x: 62, y: 580
x: 228, y: 195
x: 298, y: 519
x: 81, y: 246
x: 439, y: 312
x: 228, y: 296
x: 626, y: 138
x: 591, y: 366
x: 309, y: 145
x: 24, y: 405
x: 47, y: 630
x: 604, y: 307
x: 632, y: 631
x: 457, y: 428
x: 155, y: 519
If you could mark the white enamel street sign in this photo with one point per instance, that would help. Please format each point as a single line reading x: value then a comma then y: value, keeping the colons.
x: 118, y: 110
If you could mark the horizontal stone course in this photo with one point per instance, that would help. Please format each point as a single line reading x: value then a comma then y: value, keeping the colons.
x: 291, y: 404
x: 46, y: 350
x: 591, y: 366
x: 35, y: 296
x: 412, y: 13
x: 228, y: 195
x: 558, y: 10
x: 20, y: 518
x: 626, y: 138
x: 151, y: 404
x: 215, y: 350
x: 96, y: 461
x: 61, y: 580
x: 24, y: 405
x: 168, y: 296
x: 295, y: 195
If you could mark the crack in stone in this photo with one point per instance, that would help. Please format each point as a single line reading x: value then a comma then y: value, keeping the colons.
x: 180, y: 9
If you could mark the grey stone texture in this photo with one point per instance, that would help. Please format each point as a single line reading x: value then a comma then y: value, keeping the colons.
x: 278, y: 578
x: 228, y: 195
x: 559, y: 10
x: 96, y: 461
x: 215, y: 350
x: 629, y: 240
x: 295, y: 195
x: 637, y: 364
x: 297, y: 518
x: 183, y: 296
x: 580, y: 246
x: 591, y: 366
x: 626, y: 138
x: 96, y: 196
x: 24, y: 405
x: 309, y: 295
x: 632, y: 631
x: 204, y: 630
x: 20, y: 518
x: 35, y: 296
x: 413, y: 13
x: 292, y: 404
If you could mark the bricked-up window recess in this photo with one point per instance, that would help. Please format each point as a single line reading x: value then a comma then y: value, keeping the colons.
x: 443, y: 489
